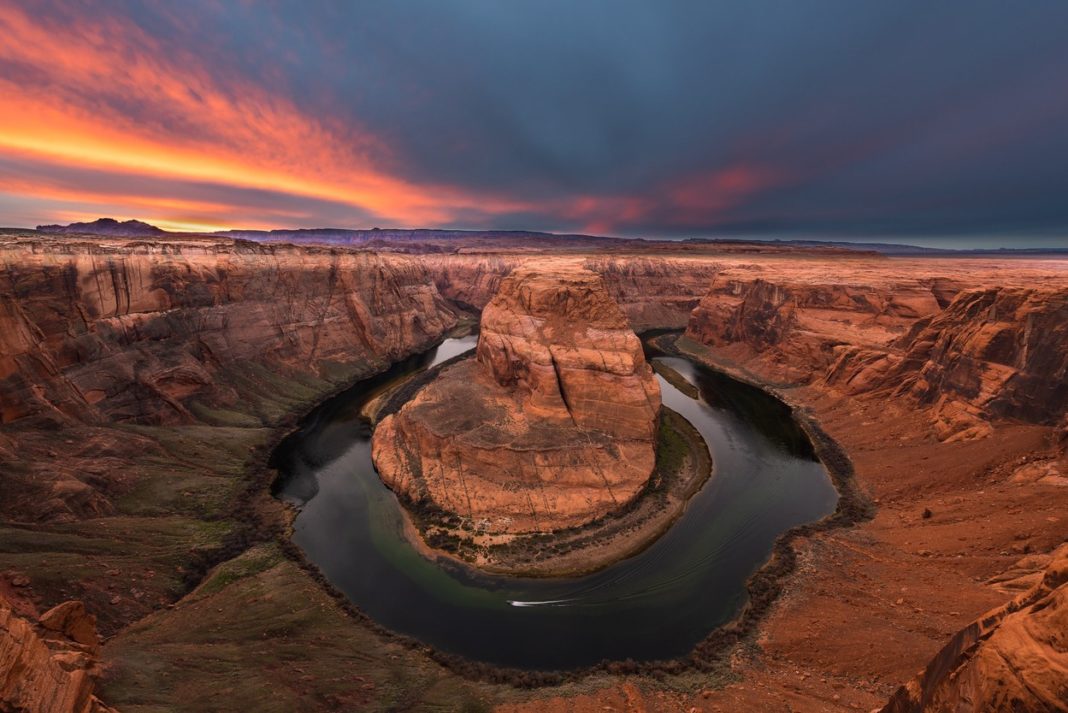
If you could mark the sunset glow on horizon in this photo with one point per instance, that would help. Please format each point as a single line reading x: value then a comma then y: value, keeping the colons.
x: 211, y: 116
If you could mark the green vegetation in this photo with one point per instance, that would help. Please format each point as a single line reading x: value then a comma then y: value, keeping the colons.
x: 255, y: 560
x: 672, y: 447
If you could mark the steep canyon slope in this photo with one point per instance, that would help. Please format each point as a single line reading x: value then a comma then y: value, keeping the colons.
x: 967, y: 356
x: 1013, y: 658
x: 946, y: 384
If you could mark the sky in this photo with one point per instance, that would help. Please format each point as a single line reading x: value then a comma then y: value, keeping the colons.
x: 915, y: 121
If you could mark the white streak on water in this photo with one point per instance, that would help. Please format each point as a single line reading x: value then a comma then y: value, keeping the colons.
x: 546, y: 603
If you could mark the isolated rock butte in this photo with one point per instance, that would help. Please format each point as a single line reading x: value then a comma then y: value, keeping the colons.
x: 552, y: 425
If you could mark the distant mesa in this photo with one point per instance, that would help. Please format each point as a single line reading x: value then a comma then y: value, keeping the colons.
x: 104, y: 226
x: 552, y: 425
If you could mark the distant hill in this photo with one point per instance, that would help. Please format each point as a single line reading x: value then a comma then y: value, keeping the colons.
x: 423, y: 240
x: 105, y: 226
x: 381, y: 236
x: 889, y: 249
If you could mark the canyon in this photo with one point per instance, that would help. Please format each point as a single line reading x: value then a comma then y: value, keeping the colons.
x: 144, y: 381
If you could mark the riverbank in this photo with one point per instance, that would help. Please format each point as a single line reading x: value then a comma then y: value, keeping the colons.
x: 708, y: 654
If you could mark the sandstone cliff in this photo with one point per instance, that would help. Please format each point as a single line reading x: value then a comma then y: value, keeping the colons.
x: 470, y: 280
x: 795, y: 332
x: 49, y: 666
x: 140, y: 333
x: 179, y: 333
x: 554, y: 423
x: 993, y: 353
x: 1013, y: 659
x: 983, y: 355
x: 653, y: 292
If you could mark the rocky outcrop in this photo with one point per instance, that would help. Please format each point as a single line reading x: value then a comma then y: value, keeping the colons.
x: 49, y: 666
x: 655, y: 293
x: 552, y: 425
x: 468, y: 280
x: 988, y: 354
x: 796, y: 332
x: 1013, y: 659
x: 993, y: 353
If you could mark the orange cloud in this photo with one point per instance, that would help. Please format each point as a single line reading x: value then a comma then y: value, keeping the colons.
x: 709, y: 194
x: 186, y: 125
x: 701, y: 199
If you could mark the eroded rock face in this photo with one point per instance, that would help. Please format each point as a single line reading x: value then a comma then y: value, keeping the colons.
x: 1013, y: 659
x: 552, y: 425
x: 655, y: 292
x: 984, y: 355
x: 993, y: 353
x: 801, y: 332
x: 49, y: 666
x: 140, y: 333
x: 174, y: 333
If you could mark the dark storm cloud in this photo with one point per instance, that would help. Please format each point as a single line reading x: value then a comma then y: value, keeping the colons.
x: 663, y: 118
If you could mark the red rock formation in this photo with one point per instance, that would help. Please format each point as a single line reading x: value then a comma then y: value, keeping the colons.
x: 553, y: 425
x: 993, y: 353
x: 796, y: 332
x: 1013, y: 659
x: 989, y: 354
x: 49, y: 667
x: 655, y: 292
x: 136, y: 333
x: 177, y: 333
x: 470, y: 280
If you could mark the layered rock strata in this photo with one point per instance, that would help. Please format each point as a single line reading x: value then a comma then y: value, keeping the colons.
x: 795, y: 332
x: 1012, y: 659
x: 144, y: 333
x: 993, y: 353
x: 969, y: 357
x: 653, y: 292
x: 552, y: 425
x: 49, y: 666
x: 212, y: 332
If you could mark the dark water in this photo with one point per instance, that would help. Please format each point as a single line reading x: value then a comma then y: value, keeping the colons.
x: 655, y: 605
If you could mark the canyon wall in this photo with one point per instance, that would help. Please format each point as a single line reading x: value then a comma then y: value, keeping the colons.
x: 166, y: 334
x: 967, y: 356
x: 653, y: 292
x: 470, y: 280
x: 993, y: 353
x: 794, y: 332
x: 552, y: 425
x: 213, y: 333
